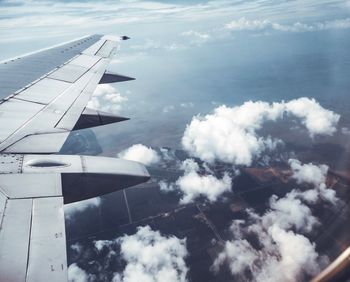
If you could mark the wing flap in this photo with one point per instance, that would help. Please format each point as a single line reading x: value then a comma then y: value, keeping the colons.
x: 73, y: 114
x: 106, y: 50
x: 30, y: 185
x: 44, y: 143
x: 44, y: 91
x: 85, y: 61
x: 47, y: 251
x: 14, y: 240
x: 93, y: 49
x: 69, y: 73
x: 32, y: 248
x: 14, y: 113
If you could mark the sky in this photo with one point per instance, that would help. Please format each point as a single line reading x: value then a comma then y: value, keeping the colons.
x: 216, y: 79
x: 34, y: 24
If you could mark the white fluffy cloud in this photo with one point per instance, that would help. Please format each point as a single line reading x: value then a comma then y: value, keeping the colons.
x: 317, y: 120
x: 149, y: 256
x: 229, y: 134
x: 316, y: 176
x: 146, y: 255
x: 106, y: 98
x: 246, y: 24
x: 71, y: 209
x: 193, y: 185
x: 308, y: 173
x: 140, y: 153
x: 76, y: 274
x: 260, y: 25
x: 290, y: 212
x: 284, y: 253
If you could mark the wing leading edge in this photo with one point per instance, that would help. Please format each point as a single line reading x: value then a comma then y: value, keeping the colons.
x: 35, y: 122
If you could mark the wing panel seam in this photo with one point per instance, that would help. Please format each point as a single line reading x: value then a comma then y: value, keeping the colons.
x: 30, y: 235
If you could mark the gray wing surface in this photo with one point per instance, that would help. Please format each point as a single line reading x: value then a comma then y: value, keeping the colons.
x: 52, y: 98
x: 43, y: 97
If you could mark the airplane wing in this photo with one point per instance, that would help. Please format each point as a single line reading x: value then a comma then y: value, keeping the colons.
x: 43, y: 97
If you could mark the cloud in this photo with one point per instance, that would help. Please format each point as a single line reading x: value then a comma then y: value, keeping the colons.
x: 149, y: 44
x: 76, y: 274
x: 175, y: 47
x: 140, y: 153
x: 193, y: 185
x: 26, y: 20
x: 187, y: 105
x: 77, y: 207
x: 283, y: 252
x: 146, y: 255
x: 318, y: 120
x: 315, y: 175
x: 152, y: 45
x: 229, y: 134
x: 168, y: 109
x: 149, y: 256
x: 273, y: 246
x: 196, y: 37
x: 345, y: 131
x: 106, y: 98
x: 289, y: 212
x: 244, y: 24
x: 308, y: 173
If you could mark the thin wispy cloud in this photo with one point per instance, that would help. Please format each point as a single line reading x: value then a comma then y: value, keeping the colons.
x: 23, y: 17
x: 244, y: 24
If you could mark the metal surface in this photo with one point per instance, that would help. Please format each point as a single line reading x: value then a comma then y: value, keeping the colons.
x: 58, y: 116
x: 10, y: 163
x: 17, y: 73
x: 72, y: 164
x: 69, y: 73
x: 14, y: 240
x: 47, y: 255
x: 338, y: 270
x: 92, y: 50
x: 85, y: 61
x: 106, y: 49
x: 71, y: 117
x: 44, y: 91
x: 30, y: 185
x: 109, y: 77
x: 40, y: 143
x: 101, y: 176
x: 3, y: 200
x: 13, y: 114
x: 91, y: 118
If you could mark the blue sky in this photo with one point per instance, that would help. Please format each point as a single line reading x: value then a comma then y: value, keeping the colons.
x: 26, y: 25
